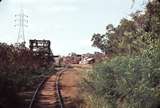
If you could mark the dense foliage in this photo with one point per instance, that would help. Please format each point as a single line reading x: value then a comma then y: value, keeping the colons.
x: 131, y: 78
x: 126, y: 82
x: 19, y: 71
x: 131, y: 35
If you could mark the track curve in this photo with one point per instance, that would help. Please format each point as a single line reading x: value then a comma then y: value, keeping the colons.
x: 48, y: 93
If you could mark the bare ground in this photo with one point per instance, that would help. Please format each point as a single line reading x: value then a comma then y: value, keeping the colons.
x: 70, y: 86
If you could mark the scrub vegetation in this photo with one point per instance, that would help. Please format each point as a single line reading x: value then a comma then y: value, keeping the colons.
x: 130, y: 77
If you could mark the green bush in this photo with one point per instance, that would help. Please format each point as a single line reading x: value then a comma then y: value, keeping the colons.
x: 126, y: 82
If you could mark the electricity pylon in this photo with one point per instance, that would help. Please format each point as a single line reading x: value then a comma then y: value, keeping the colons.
x: 21, y: 22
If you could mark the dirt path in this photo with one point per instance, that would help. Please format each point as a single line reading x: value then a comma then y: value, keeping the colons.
x: 70, y: 86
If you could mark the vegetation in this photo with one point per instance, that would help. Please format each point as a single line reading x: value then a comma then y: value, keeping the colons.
x: 20, y: 70
x: 131, y: 36
x: 131, y: 77
x: 126, y: 82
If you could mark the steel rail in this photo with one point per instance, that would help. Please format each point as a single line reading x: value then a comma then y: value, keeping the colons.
x: 58, y: 91
x: 36, y: 92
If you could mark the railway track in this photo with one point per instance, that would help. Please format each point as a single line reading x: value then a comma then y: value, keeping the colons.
x: 48, y: 93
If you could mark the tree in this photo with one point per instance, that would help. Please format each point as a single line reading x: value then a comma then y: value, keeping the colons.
x: 99, y: 41
x: 131, y: 36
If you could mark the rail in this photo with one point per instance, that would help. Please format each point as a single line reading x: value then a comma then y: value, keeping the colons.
x: 58, y: 91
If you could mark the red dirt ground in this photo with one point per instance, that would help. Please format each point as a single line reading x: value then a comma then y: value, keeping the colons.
x: 70, y: 86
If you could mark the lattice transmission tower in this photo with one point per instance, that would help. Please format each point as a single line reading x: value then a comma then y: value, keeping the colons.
x: 21, y: 21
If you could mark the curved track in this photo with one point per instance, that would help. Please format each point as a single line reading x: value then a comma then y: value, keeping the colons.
x: 48, y: 94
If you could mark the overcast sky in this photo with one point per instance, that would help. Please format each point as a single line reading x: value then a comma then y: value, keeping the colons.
x: 69, y: 24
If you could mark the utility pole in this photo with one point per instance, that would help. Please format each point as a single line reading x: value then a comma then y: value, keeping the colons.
x: 21, y: 21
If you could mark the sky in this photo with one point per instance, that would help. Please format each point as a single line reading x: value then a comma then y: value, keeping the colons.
x: 69, y: 24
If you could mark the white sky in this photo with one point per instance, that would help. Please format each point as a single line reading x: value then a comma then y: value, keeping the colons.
x: 69, y: 24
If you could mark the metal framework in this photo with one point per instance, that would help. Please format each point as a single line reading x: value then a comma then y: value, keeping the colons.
x: 21, y: 21
x: 41, y: 47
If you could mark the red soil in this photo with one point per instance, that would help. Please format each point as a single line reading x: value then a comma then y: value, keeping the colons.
x: 70, y: 86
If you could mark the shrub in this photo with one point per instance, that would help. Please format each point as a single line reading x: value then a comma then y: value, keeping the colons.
x: 126, y: 82
x: 19, y: 71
